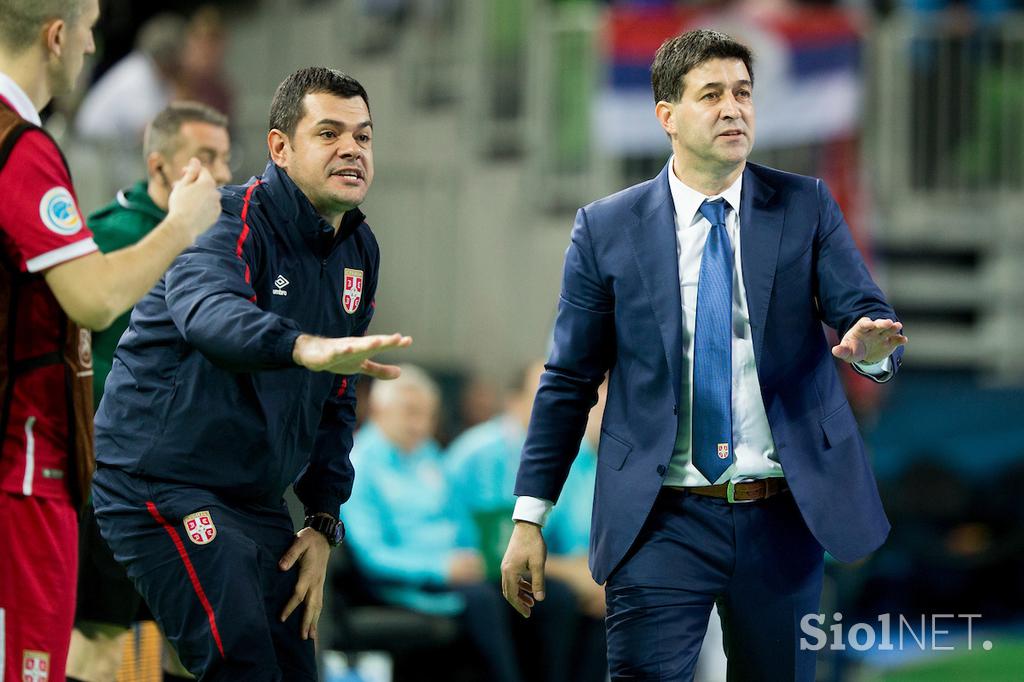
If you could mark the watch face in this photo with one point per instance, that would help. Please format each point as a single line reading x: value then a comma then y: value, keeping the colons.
x: 338, y: 535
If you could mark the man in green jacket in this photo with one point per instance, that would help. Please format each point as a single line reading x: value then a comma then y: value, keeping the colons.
x: 107, y: 601
x: 179, y: 132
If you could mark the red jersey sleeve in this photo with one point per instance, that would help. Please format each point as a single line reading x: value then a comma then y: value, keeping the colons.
x: 39, y: 213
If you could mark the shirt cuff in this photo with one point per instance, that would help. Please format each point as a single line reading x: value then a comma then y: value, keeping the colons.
x: 532, y: 509
x: 60, y: 255
x: 876, y: 369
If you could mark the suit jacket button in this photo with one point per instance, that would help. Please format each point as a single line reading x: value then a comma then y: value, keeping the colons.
x: 661, y: 470
x: 675, y: 410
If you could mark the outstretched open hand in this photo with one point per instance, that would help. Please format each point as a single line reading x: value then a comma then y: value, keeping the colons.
x: 870, y: 341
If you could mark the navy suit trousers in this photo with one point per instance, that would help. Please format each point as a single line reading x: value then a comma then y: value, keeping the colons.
x: 757, y: 561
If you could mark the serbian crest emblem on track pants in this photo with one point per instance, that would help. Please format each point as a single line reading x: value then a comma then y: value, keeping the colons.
x: 35, y: 666
x: 200, y: 528
x: 353, y: 292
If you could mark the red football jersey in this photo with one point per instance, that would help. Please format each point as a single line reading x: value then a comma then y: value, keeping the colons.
x: 40, y: 226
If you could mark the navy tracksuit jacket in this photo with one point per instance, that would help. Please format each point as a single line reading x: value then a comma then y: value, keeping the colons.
x: 203, y: 389
x: 204, y: 412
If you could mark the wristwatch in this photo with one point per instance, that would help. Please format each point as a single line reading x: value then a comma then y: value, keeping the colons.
x: 333, y: 529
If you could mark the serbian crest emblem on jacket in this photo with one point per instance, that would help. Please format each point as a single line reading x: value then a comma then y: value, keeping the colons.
x: 200, y: 528
x: 353, y: 292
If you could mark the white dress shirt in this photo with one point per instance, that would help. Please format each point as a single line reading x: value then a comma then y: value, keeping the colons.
x: 754, y: 450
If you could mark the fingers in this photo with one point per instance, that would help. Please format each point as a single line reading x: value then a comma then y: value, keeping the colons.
x: 537, y: 580
x: 191, y: 171
x: 206, y: 178
x: 382, y: 341
x: 361, y: 347
x: 850, y: 350
x: 296, y: 599
x: 510, y: 579
x: 293, y: 554
x: 310, y: 617
x: 379, y: 371
x: 880, y: 327
x: 525, y: 592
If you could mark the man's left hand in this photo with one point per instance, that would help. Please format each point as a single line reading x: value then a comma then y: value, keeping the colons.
x: 311, y: 551
x: 870, y: 341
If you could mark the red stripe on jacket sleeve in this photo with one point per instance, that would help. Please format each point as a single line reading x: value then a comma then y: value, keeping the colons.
x: 244, y: 234
x: 192, y: 576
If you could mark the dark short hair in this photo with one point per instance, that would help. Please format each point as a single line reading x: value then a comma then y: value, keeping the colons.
x: 162, y: 132
x: 22, y: 19
x: 678, y: 56
x: 287, y: 108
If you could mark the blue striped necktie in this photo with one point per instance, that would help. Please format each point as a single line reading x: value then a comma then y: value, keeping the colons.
x: 712, y: 350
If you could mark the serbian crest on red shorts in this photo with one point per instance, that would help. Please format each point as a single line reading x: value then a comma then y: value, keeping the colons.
x: 35, y: 666
x: 200, y: 528
x: 353, y: 292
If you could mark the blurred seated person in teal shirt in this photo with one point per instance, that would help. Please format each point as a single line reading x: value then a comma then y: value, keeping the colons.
x: 410, y: 536
x: 482, y: 465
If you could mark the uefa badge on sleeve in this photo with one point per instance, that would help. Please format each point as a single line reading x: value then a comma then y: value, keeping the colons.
x: 353, y: 292
x: 200, y: 528
x: 59, y: 213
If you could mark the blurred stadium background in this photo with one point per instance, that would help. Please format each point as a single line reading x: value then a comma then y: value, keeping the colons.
x: 495, y: 119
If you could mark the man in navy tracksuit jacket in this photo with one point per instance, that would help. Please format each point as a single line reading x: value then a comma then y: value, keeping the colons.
x: 211, y: 410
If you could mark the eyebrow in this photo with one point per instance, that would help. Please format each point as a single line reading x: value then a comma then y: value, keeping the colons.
x: 721, y: 86
x: 338, y: 124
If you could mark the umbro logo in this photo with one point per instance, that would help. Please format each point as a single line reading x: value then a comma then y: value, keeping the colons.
x: 279, y: 284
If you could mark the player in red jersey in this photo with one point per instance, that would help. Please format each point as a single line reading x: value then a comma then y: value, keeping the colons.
x: 54, y: 287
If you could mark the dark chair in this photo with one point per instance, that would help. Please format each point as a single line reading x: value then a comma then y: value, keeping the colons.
x: 423, y: 647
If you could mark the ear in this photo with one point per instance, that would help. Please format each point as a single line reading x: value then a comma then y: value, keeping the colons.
x: 154, y: 162
x: 54, y: 35
x: 666, y: 116
x: 277, y: 143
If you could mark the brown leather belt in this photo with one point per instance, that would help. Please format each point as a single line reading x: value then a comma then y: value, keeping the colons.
x: 747, y: 491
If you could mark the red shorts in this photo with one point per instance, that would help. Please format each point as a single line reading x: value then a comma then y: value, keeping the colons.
x: 38, y: 573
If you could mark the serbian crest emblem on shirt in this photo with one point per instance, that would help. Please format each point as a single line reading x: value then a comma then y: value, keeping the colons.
x: 35, y: 666
x: 353, y: 292
x: 200, y: 528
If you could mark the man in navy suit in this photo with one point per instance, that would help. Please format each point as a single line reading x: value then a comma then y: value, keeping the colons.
x: 729, y: 457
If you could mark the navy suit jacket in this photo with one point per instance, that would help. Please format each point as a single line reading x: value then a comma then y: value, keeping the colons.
x: 620, y: 310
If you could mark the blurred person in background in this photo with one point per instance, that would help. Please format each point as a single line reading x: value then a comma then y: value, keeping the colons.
x: 202, y: 75
x: 107, y: 601
x: 479, y: 401
x: 236, y: 378
x: 118, y: 106
x: 482, y: 465
x: 729, y: 456
x: 56, y: 286
x: 410, y: 534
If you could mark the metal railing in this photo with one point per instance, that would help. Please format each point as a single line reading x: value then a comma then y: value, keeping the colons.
x: 946, y: 120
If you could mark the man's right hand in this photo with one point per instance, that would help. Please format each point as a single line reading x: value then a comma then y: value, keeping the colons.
x: 194, y: 203
x: 348, y: 354
x: 522, y: 569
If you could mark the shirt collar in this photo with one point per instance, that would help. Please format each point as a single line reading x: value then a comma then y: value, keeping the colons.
x: 18, y: 100
x: 687, y: 200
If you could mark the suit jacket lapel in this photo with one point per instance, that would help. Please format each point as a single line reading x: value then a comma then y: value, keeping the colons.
x: 761, y: 224
x: 653, y: 235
